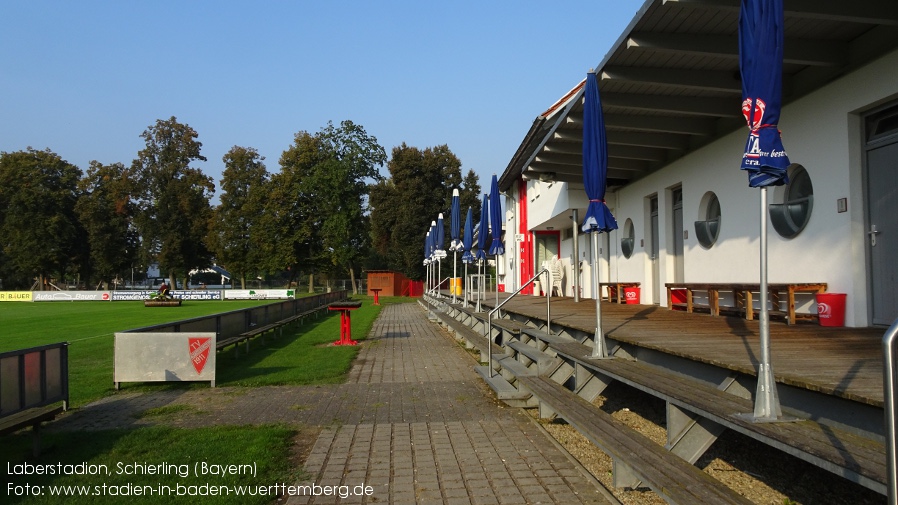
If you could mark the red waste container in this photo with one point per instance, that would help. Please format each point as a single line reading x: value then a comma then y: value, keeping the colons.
x: 678, y: 299
x: 831, y: 309
x: 631, y: 295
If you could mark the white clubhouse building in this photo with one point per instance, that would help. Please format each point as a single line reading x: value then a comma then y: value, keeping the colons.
x: 671, y: 96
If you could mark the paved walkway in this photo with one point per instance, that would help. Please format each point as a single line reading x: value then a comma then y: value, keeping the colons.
x: 414, y: 422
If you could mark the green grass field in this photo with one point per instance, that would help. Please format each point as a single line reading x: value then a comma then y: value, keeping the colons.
x: 300, y: 356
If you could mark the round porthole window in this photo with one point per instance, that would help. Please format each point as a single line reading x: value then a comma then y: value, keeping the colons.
x: 797, y: 201
x: 628, y: 240
x: 708, y: 226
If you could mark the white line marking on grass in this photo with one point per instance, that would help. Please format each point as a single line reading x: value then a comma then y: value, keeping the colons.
x: 95, y: 336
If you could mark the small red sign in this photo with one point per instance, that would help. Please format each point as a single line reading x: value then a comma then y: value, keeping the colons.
x: 199, y: 352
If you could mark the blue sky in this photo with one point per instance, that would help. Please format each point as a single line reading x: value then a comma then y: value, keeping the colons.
x: 86, y: 78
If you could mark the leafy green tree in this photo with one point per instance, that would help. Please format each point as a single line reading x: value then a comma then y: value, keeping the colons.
x: 106, y: 213
x: 174, y: 214
x: 237, y: 223
x: 39, y: 232
x: 420, y: 187
x: 470, y: 195
x: 318, y: 200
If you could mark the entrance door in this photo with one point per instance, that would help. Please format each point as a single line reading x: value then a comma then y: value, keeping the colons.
x: 678, y: 234
x: 882, y: 202
x: 656, y: 250
x: 546, y: 249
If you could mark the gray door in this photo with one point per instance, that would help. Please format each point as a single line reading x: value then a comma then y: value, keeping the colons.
x: 656, y: 267
x: 678, y: 235
x: 882, y: 194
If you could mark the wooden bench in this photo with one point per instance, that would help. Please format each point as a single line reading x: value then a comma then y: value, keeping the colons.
x: 697, y: 411
x: 848, y: 455
x: 743, y: 298
x: 246, y: 336
x: 616, y: 290
x: 35, y: 388
x: 636, y: 459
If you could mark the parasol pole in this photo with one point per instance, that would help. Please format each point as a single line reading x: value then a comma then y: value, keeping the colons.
x: 598, y: 348
x: 767, y: 406
x: 479, y: 282
x: 454, y: 274
x: 575, y: 265
x: 466, y: 283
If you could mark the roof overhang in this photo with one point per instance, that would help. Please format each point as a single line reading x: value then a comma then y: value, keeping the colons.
x: 671, y: 82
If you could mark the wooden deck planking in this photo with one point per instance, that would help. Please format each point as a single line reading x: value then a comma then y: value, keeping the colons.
x: 845, y: 362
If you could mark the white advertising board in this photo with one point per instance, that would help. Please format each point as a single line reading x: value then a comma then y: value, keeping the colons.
x: 164, y: 357
x: 259, y: 294
x: 71, y: 296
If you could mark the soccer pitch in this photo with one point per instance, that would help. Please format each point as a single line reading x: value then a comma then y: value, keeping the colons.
x: 89, y: 327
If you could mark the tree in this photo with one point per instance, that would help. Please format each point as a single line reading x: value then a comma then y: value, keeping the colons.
x: 39, y: 233
x: 318, y: 198
x: 470, y: 195
x: 237, y: 222
x: 420, y: 187
x: 174, y: 214
x: 106, y: 213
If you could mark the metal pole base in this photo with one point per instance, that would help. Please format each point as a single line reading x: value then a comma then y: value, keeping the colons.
x: 767, y: 404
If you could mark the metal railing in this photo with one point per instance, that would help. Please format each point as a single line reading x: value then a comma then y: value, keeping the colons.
x: 489, y: 317
x: 890, y: 390
x: 436, y: 288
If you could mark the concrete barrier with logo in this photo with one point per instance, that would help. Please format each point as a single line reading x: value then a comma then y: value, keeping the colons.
x: 164, y: 357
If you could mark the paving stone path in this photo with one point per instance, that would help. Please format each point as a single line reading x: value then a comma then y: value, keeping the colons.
x: 414, y: 422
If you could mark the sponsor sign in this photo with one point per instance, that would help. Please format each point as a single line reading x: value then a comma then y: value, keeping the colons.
x: 164, y: 357
x: 123, y: 296
x: 71, y: 296
x: 15, y: 296
x: 259, y: 294
x: 196, y: 295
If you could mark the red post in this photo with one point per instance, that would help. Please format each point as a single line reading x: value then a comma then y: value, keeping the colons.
x: 376, y: 292
x: 345, y: 322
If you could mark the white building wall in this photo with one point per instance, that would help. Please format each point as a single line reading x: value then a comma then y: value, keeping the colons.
x: 822, y: 132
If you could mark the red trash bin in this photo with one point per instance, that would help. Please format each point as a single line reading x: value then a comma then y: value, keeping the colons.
x: 631, y: 295
x: 831, y: 309
x: 678, y: 299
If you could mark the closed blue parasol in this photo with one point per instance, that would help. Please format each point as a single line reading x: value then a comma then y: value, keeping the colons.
x: 598, y: 217
x: 468, y: 238
x: 467, y: 244
x: 496, y: 247
x: 454, y: 235
x: 455, y: 223
x: 438, y: 251
x: 761, y: 64
x: 483, y: 232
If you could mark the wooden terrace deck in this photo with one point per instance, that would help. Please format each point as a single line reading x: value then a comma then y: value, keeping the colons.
x: 842, y: 362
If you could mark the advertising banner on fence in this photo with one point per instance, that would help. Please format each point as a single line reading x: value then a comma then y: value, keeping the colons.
x: 259, y: 294
x: 164, y: 357
x: 124, y: 296
x: 15, y: 296
x: 71, y: 296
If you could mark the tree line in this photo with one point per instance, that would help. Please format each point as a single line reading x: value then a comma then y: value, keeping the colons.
x: 327, y: 211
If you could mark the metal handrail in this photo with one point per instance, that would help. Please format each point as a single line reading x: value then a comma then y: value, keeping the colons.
x: 890, y: 389
x: 435, y: 289
x: 489, y: 317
